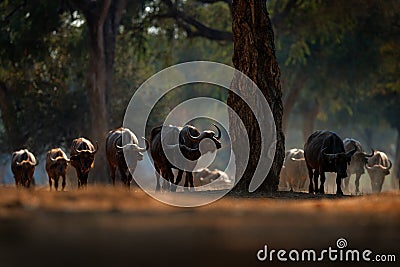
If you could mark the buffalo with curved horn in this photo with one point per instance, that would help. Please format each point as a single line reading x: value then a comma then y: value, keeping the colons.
x: 357, y: 162
x: 82, y: 159
x: 23, y: 165
x: 324, y: 152
x: 189, y: 141
x: 56, y: 167
x: 378, y: 166
x: 115, y: 153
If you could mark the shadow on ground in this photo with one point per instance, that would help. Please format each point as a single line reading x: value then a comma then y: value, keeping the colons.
x: 107, y: 226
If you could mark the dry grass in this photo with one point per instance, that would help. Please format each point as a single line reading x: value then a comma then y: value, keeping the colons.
x: 110, y: 226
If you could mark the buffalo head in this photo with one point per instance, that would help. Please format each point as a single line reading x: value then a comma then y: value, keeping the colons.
x: 59, y: 163
x: 380, y: 168
x: 133, y: 148
x: 340, y: 161
x: 211, y: 140
x: 84, y: 158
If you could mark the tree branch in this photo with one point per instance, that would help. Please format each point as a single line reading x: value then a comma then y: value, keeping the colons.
x: 82, y: 5
x: 228, y: 2
x: 292, y: 4
x: 104, y: 11
x: 17, y: 8
x: 201, y: 29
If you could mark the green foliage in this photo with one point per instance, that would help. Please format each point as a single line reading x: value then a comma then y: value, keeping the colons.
x: 346, y: 52
x: 42, y: 68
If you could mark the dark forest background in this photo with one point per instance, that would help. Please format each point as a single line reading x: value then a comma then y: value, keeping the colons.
x: 339, y: 61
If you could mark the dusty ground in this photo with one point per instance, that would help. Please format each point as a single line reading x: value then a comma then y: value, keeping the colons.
x: 106, y: 226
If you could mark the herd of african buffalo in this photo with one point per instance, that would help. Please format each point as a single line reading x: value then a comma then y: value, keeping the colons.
x: 323, y: 152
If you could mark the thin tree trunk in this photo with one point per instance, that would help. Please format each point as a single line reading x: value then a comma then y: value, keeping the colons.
x: 97, y: 96
x: 309, y: 117
x: 103, y: 19
x: 291, y: 99
x: 111, y: 25
x: 254, y: 55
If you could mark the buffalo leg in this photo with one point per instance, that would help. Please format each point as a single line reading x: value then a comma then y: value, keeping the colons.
x: 178, y: 180
x: 56, y: 183
x: 310, y: 175
x: 338, y: 186
x: 186, y: 185
x: 124, y: 178
x: 50, y: 183
x: 380, y: 184
x: 346, y: 182
x: 189, y: 176
x: 84, y: 180
x: 158, y: 187
x: 316, y: 174
x: 357, y: 182
x: 322, y: 186
x: 130, y: 180
x: 127, y: 179
x: 169, y: 176
x: 63, y: 182
x: 301, y: 184
x: 79, y: 175
x: 112, y: 173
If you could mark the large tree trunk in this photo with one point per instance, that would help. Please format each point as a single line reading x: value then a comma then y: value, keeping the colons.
x: 254, y: 55
x: 396, y: 165
x: 97, y: 94
x: 103, y: 18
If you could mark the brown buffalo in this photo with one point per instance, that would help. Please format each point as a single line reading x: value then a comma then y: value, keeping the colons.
x: 82, y: 159
x: 116, y: 157
x: 56, y: 167
x: 294, y: 174
x: 378, y: 166
x: 23, y: 165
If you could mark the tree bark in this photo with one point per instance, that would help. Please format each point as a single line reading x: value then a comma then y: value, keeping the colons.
x: 310, y: 114
x: 396, y: 165
x: 291, y: 99
x: 103, y: 19
x: 254, y: 55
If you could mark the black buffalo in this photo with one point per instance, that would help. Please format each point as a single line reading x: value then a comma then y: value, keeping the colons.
x: 180, y: 139
x: 324, y: 152
x: 82, y: 159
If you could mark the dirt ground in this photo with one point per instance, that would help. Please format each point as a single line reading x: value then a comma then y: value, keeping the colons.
x: 107, y: 226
